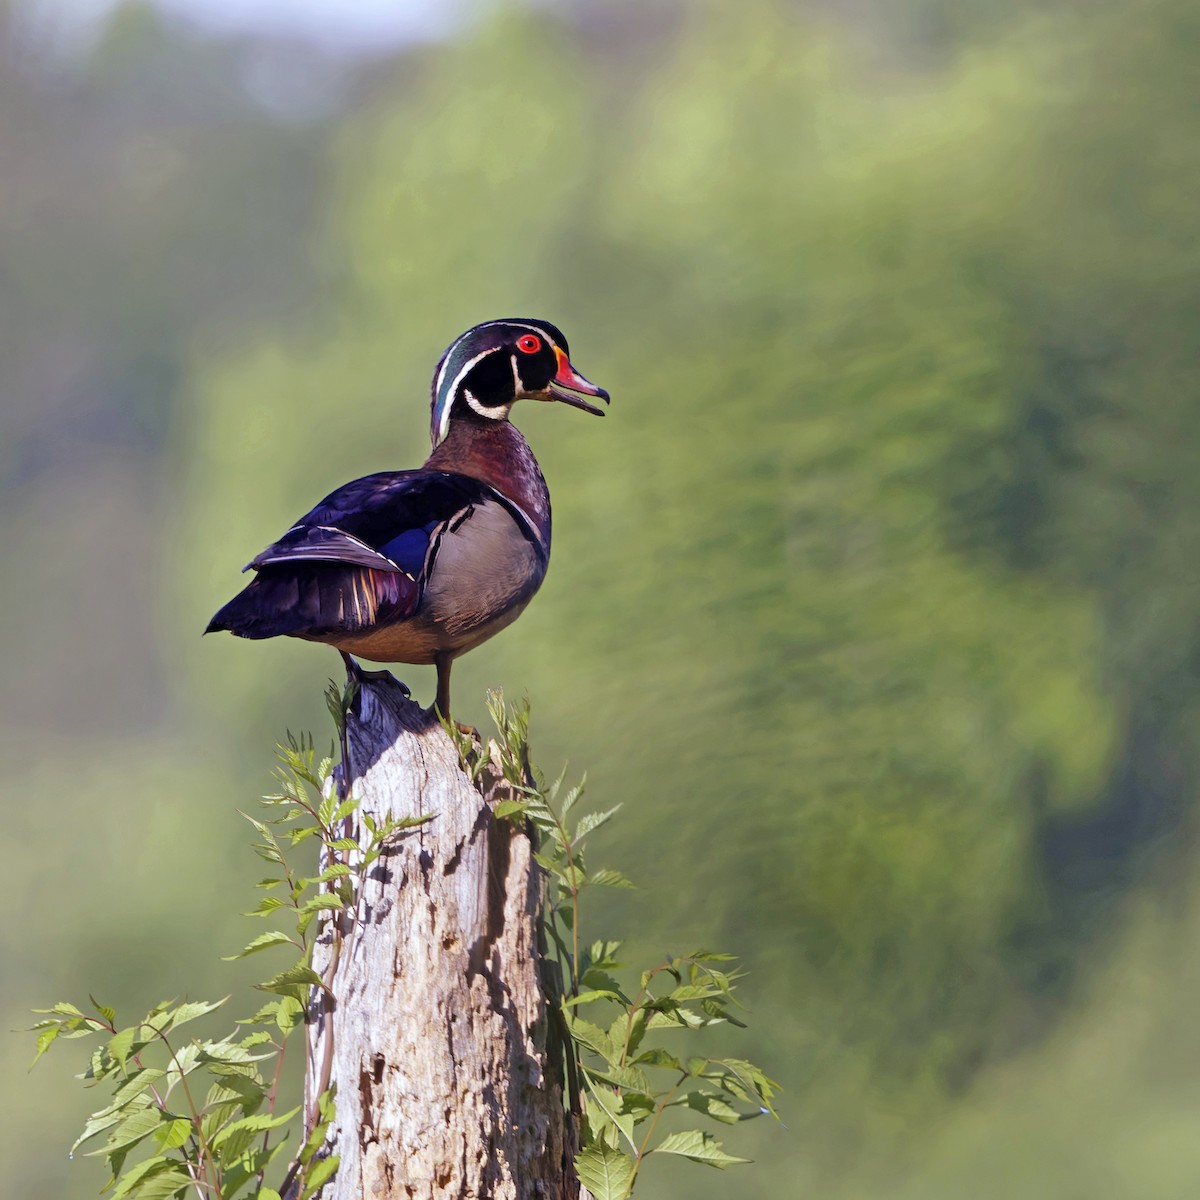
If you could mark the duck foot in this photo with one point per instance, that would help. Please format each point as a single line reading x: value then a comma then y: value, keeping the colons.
x: 360, y: 674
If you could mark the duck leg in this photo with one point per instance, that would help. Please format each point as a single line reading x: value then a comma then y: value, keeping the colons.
x: 443, y: 662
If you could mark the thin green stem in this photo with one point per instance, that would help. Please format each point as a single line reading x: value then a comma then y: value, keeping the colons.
x: 206, y: 1161
x: 659, y: 1109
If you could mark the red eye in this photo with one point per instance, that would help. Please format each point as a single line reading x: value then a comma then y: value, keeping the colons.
x: 529, y: 344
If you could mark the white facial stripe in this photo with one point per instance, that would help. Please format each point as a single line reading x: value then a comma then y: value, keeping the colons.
x: 493, y: 412
x: 444, y: 423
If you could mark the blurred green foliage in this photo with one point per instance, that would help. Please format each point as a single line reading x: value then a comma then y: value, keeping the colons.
x: 874, y: 598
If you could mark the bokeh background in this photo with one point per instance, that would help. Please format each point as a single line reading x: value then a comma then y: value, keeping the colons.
x: 874, y: 599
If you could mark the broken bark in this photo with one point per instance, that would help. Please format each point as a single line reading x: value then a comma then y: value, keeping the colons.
x: 435, y: 1032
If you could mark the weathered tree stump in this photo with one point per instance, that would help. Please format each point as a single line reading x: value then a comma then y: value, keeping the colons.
x: 436, y: 1031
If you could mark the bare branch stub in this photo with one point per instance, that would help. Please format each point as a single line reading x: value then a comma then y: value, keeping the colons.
x: 436, y: 1032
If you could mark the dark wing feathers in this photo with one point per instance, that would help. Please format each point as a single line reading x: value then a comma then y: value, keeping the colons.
x: 322, y: 543
x: 309, y: 598
x: 358, y: 559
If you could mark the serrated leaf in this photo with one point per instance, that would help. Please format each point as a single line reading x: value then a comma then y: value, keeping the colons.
x: 715, y: 1107
x: 622, y: 1077
x: 607, y: 877
x: 511, y: 808
x: 62, y: 1008
x: 173, y: 1134
x: 242, y: 1090
x: 699, y: 1147
x: 693, y: 991
x: 264, y: 941
x: 289, y: 1014
x: 601, y: 981
x: 147, y: 1169
x: 138, y: 1084
x: 611, y: 1105
x: 132, y: 1130
x: 237, y: 1135
x: 591, y: 1036
x: 590, y: 997
x: 605, y: 1172
x: 297, y: 975
x: 318, y: 1174
x: 569, y: 799
x: 45, y: 1039
x: 656, y: 1056
x: 604, y: 955
x: 120, y: 1045
x: 99, y: 1122
x: 165, y: 1184
x: 108, y: 1013
x: 190, y: 1012
x: 593, y: 821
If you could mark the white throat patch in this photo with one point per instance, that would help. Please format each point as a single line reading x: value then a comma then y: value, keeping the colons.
x: 494, y: 412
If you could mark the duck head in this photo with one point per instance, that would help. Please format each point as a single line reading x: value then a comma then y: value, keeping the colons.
x: 493, y: 365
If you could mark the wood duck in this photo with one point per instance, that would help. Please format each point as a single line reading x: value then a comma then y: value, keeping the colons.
x: 421, y: 566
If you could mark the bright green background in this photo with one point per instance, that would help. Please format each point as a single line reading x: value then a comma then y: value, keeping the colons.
x: 874, y: 598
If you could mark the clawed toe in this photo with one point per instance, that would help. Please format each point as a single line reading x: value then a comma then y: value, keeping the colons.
x: 360, y: 674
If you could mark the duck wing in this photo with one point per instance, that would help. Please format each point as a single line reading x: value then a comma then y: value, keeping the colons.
x: 361, y: 558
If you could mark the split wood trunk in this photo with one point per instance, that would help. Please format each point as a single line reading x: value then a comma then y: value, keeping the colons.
x: 436, y: 1033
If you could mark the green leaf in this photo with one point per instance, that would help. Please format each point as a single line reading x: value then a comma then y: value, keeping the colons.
x: 131, y: 1130
x: 318, y: 1174
x: 62, y: 1009
x: 571, y: 796
x: 236, y: 1137
x: 264, y: 941
x: 607, y: 877
x: 109, y: 1014
x: 714, y: 1106
x: 138, y: 1084
x: 593, y: 821
x: 165, y: 1184
x: 45, y: 1039
x: 590, y: 997
x: 173, y: 1134
x: 605, y: 1172
x: 591, y: 1036
x: 699, y: 1147
x: 99, y: 1122
x: 656, y: 1056
x: 604, y: 956
x: 146, y: 1170
x: 300, y: 975
x: 622, y: 1077
x: 289, y: 1014
x: 189, y: 1012
x: 246, y: 1092
x: 610, y: 1104
x: 601, y: 981
x: 511, y: 808
x: 121, y: 1044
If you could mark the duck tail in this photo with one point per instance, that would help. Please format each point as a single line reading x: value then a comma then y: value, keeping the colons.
x: 318, y: 598
x: 267, y: 607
